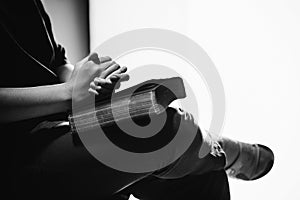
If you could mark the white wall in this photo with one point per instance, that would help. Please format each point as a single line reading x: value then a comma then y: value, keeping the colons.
x: 255, y: 47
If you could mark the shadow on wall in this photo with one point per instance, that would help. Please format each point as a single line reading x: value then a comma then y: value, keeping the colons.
x: 70, y: 24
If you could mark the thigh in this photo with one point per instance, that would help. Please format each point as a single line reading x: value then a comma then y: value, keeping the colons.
x: 51, y: 166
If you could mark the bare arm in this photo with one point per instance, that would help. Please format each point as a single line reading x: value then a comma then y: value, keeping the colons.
x: 24, y: 103
x: 31, y: 102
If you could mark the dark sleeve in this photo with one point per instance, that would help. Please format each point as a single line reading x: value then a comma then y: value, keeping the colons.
x: 60, y: 57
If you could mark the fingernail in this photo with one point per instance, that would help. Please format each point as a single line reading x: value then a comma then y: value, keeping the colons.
x: 114, y: 77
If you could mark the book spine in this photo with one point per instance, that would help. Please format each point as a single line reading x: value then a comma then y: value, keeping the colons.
x: 124, y: 108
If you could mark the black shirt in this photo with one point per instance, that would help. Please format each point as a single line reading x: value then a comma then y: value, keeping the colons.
x: 29, y: 53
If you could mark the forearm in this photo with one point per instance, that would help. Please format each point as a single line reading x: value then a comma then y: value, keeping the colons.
x: 31, y: 102
x: 25, y: 103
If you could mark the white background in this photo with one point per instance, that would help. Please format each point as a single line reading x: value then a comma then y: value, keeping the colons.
x: 255, y: 47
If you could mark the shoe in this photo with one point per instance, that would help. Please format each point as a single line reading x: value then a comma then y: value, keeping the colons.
x: 252, y: 162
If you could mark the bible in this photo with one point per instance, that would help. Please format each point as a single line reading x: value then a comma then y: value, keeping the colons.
x: 147, y: 98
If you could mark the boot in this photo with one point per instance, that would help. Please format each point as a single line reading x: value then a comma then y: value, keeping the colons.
x: 246, y: 161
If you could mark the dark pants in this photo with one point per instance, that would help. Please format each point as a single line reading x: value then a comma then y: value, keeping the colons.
x: 211, y: 185
x: 49, y: 165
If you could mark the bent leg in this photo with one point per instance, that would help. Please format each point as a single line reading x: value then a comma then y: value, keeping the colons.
x: 50, y: 166
x: 209, y: 186
x: 190, y: 176
x: 193, y: 162
x: 53, y: 167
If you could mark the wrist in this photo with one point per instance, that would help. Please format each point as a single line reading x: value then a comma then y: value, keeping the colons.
x: 64, y: 72
x: 66, y: 94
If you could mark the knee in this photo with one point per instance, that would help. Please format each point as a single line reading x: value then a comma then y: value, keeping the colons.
x: 176, y: 117
x: 190, y: 162
x: 182, y: 123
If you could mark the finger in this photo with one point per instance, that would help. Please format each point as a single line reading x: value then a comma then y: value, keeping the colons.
x: 114, y: 78
x: 92, y: 91
x: 110, y: 70
x: 105, y: 59
x: 117, y: 85
x: 94, y: 86
x: 107, y: 64
x: 125, y: 77
x: 104, y: 83
x: 101, y: 81
x: 116, y: 75
x: 119, y: 77
x: 94, y: 57
x: 107, y: 85
x: 120, y: 71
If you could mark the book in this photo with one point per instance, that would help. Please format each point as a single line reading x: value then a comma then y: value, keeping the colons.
x: 147, y: 98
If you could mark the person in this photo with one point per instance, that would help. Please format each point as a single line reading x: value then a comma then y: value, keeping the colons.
x: 41, y: 159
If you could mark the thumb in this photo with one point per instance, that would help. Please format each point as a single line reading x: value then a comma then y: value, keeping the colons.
x: 94, y: 57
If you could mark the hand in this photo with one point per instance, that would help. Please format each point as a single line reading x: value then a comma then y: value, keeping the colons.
x: 102, y: 85
x: 85, y: 72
